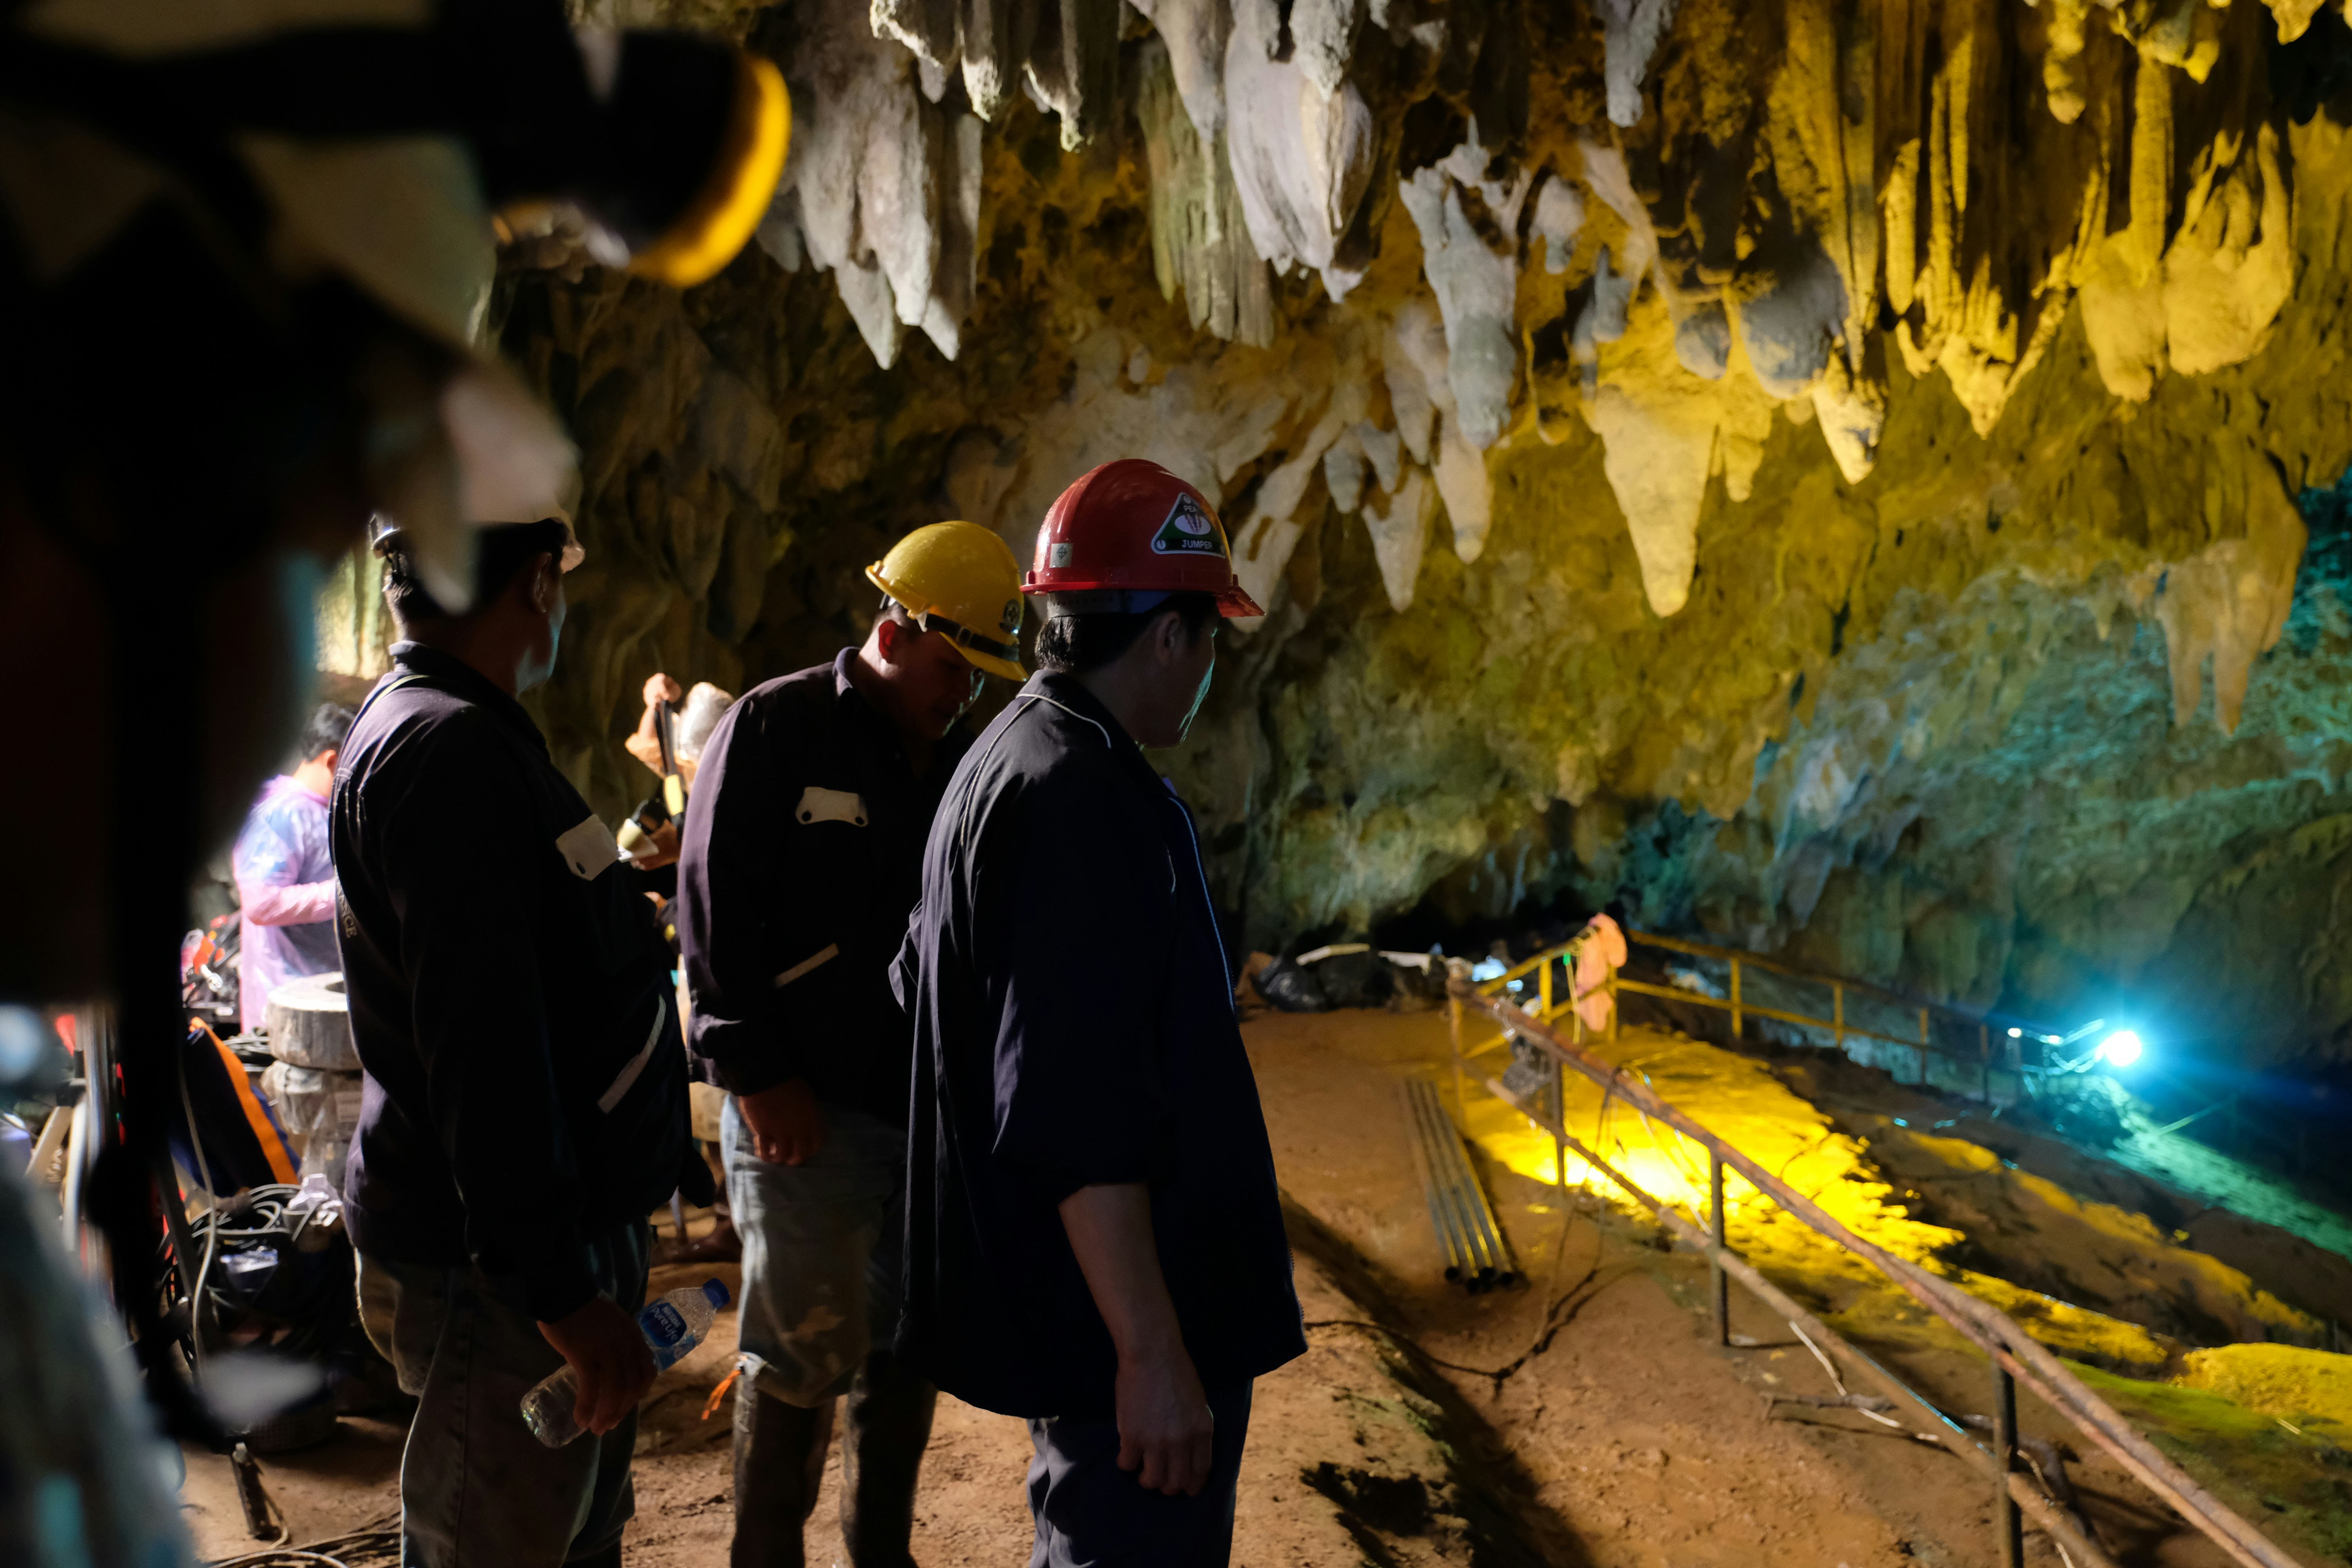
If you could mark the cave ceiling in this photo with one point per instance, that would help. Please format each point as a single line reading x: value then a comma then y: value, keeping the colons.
x: 1859, y: 480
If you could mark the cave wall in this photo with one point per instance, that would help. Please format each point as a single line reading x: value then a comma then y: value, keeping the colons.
x: 1856, y: 480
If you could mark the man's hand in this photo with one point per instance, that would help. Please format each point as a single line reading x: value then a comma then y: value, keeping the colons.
x: 1164, y: 1424
x: 645, y: 744
x: 787, y: 1125
x: 606, y: 1352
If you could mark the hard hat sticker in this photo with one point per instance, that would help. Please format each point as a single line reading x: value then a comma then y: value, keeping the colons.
x: 1057, y: 556
x: 1188, y: 530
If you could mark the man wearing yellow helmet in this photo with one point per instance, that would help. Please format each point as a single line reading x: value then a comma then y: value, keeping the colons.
x: 801, y: 860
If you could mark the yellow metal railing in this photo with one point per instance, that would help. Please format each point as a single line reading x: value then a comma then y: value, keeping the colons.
x: 2015, y: 1357
x: 1545, y: 964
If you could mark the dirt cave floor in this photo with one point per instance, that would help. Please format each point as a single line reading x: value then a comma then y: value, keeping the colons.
x: 1584, y: 1417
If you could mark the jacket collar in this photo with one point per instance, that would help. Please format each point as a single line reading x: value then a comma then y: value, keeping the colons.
x: 1068, y: 693
x: 457, y: 678
x: 870, y: 722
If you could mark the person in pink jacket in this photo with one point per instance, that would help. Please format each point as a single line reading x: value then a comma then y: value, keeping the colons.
x: 285, y: 879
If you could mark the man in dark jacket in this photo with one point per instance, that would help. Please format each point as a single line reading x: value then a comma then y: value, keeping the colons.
x: 801, y: 858
x: 1095, y: 1237
x: 524, y: 1106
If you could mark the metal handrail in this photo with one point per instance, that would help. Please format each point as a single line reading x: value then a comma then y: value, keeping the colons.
x: 1838, y: 1029
x: 1775, y: 967
x: 2015, y: 1356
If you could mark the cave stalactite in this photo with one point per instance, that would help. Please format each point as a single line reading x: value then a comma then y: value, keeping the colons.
x: 1805, y: 186
x: 1793, y: 470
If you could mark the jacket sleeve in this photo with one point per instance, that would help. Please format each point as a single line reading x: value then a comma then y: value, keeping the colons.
x: 726, y: 887
x: 299, y: 904
x: 1081, y: 913
x: 267, y: 892
x: 460, y: 857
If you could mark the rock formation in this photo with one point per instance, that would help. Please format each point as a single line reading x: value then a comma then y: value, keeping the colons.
x: 1794, y: 470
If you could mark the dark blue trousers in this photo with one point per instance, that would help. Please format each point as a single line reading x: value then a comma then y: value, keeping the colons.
x: 1092, y: 1514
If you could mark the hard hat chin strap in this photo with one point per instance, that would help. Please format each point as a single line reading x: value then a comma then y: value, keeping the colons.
x: 1108, y: 602
x: 963, y: 636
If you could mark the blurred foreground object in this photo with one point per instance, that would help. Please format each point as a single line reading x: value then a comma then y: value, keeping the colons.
x: 242, y: 272
x: 243, y: 250
x: 84, y: 1474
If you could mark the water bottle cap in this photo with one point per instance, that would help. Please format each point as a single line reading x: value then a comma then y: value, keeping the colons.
x: 716, y: 1292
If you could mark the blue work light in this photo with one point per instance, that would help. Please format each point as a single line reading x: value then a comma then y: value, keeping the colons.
x: 2121, y: 1048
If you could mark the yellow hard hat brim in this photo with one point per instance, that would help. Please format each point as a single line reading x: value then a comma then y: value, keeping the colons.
x: 987, y: 663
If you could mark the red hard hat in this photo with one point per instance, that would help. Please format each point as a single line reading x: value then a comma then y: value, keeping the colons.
x: 1131, y: 525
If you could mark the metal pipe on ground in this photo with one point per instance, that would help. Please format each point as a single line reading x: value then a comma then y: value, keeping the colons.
x: 1470, y: 1194
x: 1482, y: 1213
x: 1462, y: 1245
x: 1440, y: 1214
x: 1469, y: 1263
x: 1987, y: 1327
x: 1457, y: 1204
x: 1463, y: 1264
x: 1480, y: 1270
x: 1467, y: 1202
x: 2085, y: 1554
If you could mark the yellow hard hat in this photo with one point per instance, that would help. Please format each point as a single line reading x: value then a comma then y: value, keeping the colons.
x: 960, y: 580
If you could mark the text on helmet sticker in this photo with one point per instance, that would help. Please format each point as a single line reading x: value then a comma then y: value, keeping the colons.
x: 1188, y: 530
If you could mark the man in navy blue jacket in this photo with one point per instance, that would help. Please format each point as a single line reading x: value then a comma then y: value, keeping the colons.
x: 800, y: 862
x: 1095, y: 1234
x: 525, y: 1102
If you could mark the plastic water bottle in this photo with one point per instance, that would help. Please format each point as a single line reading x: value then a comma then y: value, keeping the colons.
x: 672, y: 1325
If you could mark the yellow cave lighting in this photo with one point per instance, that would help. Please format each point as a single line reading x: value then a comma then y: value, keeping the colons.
x: 1739, y: 1098
x: 721, y: 218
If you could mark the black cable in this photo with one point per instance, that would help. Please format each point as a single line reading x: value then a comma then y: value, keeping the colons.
x: 378, y: 1538
x: 297, y: 1308
x: 1554, y: 1320
x: 212, y: 1228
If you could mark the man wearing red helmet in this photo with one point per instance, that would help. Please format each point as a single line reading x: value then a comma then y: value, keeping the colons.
x: 1094, y: 1238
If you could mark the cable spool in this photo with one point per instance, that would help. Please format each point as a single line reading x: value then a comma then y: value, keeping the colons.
x: 308, y: 1021
x: 315, y: 1081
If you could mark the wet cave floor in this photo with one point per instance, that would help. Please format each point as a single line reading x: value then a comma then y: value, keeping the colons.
x: 1586, y: 1416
